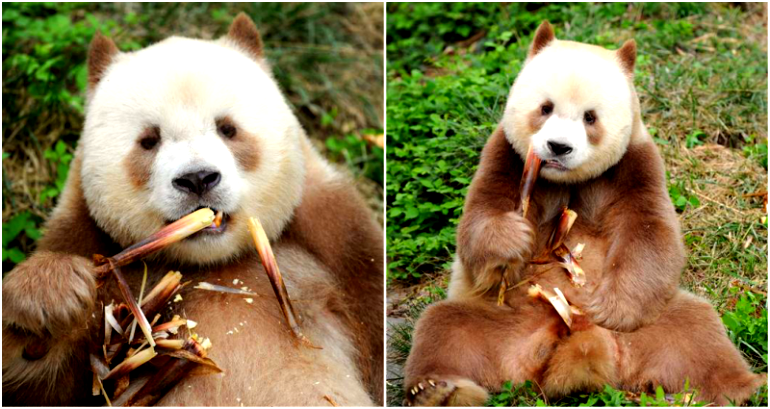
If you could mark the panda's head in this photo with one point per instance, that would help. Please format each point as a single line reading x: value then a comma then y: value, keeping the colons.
x: 185, y: 124
x: 575, y: 104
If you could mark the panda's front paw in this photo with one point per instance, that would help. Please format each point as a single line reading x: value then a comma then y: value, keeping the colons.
x: 610, y: 310
x: 49, y: 294
x: 504, y: 240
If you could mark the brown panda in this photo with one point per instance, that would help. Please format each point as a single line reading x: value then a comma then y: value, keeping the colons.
x: 176, y: 126
x: 575, y: 104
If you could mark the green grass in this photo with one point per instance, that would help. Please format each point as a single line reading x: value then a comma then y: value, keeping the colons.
x: 326, y: 57
x: 702, y: 79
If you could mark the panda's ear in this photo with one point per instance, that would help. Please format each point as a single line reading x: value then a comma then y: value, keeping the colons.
x: 244, y: 32
x: 543, y: 37
x: 627, y: 56
x: 101, y: 53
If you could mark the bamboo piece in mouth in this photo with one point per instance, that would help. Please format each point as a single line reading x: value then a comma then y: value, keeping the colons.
x: 528, y: 179
x: 174, y: 232
x: 270, y: 265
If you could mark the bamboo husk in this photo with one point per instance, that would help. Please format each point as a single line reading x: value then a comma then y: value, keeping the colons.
x: 119, y: 318
x: 557, y: 300
x: 276, y: 280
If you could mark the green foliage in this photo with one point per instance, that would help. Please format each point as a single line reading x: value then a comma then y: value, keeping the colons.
x: 681, y: 196
x: 364, y: 159
x: 21, y: 223
x: 756, y: 149
x: 747, y: 326
x: 527, y: 394
x: 60, y: 159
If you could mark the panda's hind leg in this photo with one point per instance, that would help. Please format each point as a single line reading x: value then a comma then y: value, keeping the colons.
x: 462, y: 349
x: 688, y: 342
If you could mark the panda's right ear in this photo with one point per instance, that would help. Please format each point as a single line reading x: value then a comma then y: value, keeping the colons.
x: 101, y: 53
x: 543, y: 37
x: 244, y: 32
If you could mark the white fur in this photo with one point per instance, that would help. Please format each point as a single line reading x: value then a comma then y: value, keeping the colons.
x: 183, y: 85
x: 576, y: 78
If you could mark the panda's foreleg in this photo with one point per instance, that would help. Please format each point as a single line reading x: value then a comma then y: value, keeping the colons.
x: 48, y: 306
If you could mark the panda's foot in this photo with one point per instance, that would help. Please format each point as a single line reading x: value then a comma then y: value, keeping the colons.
x: 443, y: 391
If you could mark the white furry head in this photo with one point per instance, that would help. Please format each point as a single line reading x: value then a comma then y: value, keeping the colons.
x: 575, y: 104
x: 185, y: 124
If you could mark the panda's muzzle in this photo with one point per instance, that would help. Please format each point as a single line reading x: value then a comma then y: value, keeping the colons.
x: 218, y: 227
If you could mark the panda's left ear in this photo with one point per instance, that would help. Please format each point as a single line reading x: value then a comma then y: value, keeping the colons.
x: 244, y: 32
x: 101, y: 53
x: 627, y: 56
x: 543, y: 36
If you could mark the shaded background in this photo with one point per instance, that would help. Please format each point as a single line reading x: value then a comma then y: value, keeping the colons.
x: 326, y: 57
x: 701, y: 76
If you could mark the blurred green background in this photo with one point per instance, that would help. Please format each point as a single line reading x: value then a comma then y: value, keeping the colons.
x: 327, y: 57
x: 701, y: 76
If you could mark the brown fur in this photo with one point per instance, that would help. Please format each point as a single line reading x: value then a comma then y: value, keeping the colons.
x: 139, y: 162
x: 627, y: 56
x: 244, y: 32
x: 595, y: 132
x: 100, y: 54
x: 332, y: 223
x: 242, y: 145
x: 543, y: 36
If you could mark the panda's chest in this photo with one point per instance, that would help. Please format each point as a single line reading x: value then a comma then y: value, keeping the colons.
x: 252, y: 343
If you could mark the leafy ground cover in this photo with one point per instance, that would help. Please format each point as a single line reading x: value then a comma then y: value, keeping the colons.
x: 702, y: 78
x: 328, y: 59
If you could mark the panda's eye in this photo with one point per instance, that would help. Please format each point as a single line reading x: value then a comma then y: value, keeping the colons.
x: 546, y: 109
x: 150, y: 138
x: 589, y: 117
x: 226, y: 129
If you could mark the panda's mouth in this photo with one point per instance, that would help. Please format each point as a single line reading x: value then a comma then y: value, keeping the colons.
x: 554, y: 164
x: 213, y: 229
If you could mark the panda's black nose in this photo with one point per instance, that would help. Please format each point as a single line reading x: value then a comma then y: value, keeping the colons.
x: 197, y: 182
x: 559, y: 149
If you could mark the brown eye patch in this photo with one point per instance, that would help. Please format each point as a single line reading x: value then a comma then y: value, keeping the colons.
x: 150, y: 138
x: 546, y: 108
x: 538, y: 116
x: 594, y: 128
x: 139, y: 161
x: 589, y: 117
x: 242, y: 145
x: 226, y: 128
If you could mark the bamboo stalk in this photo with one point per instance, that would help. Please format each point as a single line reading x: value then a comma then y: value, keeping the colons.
x: 223, y: 289
x: 526, y: 187
x: 174, y: 232
x: 144, y: 325
x: 131, y: 363
x: 276, y: 280
x: 528, y: 179
x: 566, y: 220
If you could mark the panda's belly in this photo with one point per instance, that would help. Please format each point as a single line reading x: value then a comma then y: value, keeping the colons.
x: 592, y: 262
x: 262, y: 363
